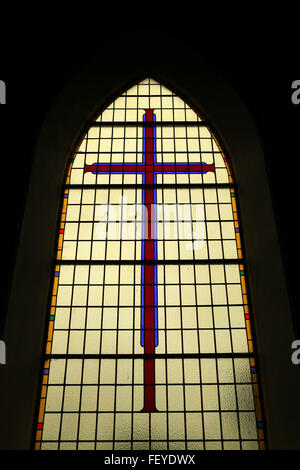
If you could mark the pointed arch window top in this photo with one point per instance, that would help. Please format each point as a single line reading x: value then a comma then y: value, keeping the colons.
x: 183, y: 148
x: 148, y: 94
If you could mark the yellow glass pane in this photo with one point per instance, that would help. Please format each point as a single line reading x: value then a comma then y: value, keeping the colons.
x: 59, y: 343
x: 248, y: 425
x: 140, y: 427
x: 72, y: 398
x: 105, y: 426
x: 91, y: 371
x: 230, y: 426
x: 175, y: 397
x: 106, y: 398
x: 74, y: 371
x: 190, y: 342
x: 212, y: 428
x: 54, y: 398
x: 192, y: 398
x: 189, y: 317
x: 122, y: 426
x: 194, y: 429
x: 69, y: 426
x: 174, y: 370
x: 108, y: 344
x: 158, y: 430
x: 176, y: 426
x: 76, y: 339
x: 51, y: 426
x: 174, y: 344
x: 89, y: 398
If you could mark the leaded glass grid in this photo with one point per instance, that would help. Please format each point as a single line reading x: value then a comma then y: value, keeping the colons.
x: 149, y: 341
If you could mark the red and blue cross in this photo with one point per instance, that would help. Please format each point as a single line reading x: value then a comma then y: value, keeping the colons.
x: 149, y: 168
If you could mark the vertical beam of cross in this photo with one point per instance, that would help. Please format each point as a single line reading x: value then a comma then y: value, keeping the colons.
x: 149, y: 254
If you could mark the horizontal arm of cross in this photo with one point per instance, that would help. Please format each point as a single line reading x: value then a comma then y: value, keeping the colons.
x: 151, y: 168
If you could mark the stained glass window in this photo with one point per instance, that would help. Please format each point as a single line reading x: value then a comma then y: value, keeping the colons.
x: 149, y: 340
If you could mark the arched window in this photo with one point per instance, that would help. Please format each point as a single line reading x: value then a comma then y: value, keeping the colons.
x: 149, y: 340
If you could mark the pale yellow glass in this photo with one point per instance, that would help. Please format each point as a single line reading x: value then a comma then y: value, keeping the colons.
x: 189, y: 317
x: 78, y: 315
x: 51, y: 426
x: 219, y: 294
x: 72, y: 398
x: 95, y: 295
x: 59, y: 342
x: 62, y: 318
x: 237, y: 318
x: 207, y: 341
x: 108, y: 345
x: 122, y: 426
x: 176, y: 426
x: 124, y: 372
x: 74, y: 371
x: 205, y: 317
x: 76, y: 339
x: 250, y: 445
x: 190, y: 342
x: 91, y: 371
x: 194, y: 429
x: 92, y: 342
x: 158, y: 426
x: 203, y: 294
x: 221, y: 317
x: 239, y: 341
x: 227, y: 397
x: 174, y: 344
x: 140, y: 427
x: 248, y: 425
x: 123, y: 398
x: 174, y: 370
x: 105, y: 426
x: 212, y: 425
x: 54, y: 398
x: 230, y: 428
x: 106, y: 398
x: 208, y: 371
x: 64, y: 295
x: 138, y: 398
x: 69, y: 426
x: 173, y: 318
x: 125, y: 342
x: 192, y: 399
x: 223, y: 343
x: 126, y: 318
